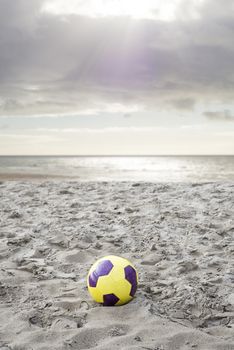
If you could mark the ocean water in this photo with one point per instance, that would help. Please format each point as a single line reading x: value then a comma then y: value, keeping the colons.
x: 156, y: 169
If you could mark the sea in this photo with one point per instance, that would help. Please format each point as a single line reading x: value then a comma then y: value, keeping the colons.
x: 118, y: 168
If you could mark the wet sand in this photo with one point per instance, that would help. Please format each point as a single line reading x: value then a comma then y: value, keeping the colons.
x: 30, y: 177
x: 179, y: 237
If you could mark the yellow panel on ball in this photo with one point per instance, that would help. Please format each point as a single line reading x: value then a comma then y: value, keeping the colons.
x: 112, y: 280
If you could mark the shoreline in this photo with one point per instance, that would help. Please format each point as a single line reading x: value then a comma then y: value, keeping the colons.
x: 29, y: 177
x: 22, y: 177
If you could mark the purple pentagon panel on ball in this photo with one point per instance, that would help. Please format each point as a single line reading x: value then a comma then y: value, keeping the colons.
x: 131, y: 277
x: 103, y: 269
x: 110, y: 299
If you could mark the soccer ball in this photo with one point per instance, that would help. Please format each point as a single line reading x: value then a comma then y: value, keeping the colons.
x: 112, y: 280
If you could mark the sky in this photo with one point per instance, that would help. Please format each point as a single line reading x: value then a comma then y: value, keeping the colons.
x: 116, y: 77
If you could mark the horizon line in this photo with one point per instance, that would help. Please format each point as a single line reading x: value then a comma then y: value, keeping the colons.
x: 116, y: 155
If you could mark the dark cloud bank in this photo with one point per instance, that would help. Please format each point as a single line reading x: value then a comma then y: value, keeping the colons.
x: 57, y: 64
x: 223, y: 115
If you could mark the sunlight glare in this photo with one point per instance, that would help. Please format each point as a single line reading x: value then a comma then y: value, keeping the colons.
x: 151, y: 9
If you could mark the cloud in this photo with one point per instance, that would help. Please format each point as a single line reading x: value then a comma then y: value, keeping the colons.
x: 132, y: 129
x: 4, y: 126
x: 127, y: 115
x: 220, y: 115
x: 57, y: 64
x: 183, y: 103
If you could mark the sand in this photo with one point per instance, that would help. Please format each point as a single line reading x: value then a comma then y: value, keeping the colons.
x: 179, y: 236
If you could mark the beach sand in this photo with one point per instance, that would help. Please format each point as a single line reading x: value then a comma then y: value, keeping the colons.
x: 179, y: 237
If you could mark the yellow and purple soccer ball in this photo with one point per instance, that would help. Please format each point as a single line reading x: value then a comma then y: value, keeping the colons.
x: 112, y: 280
